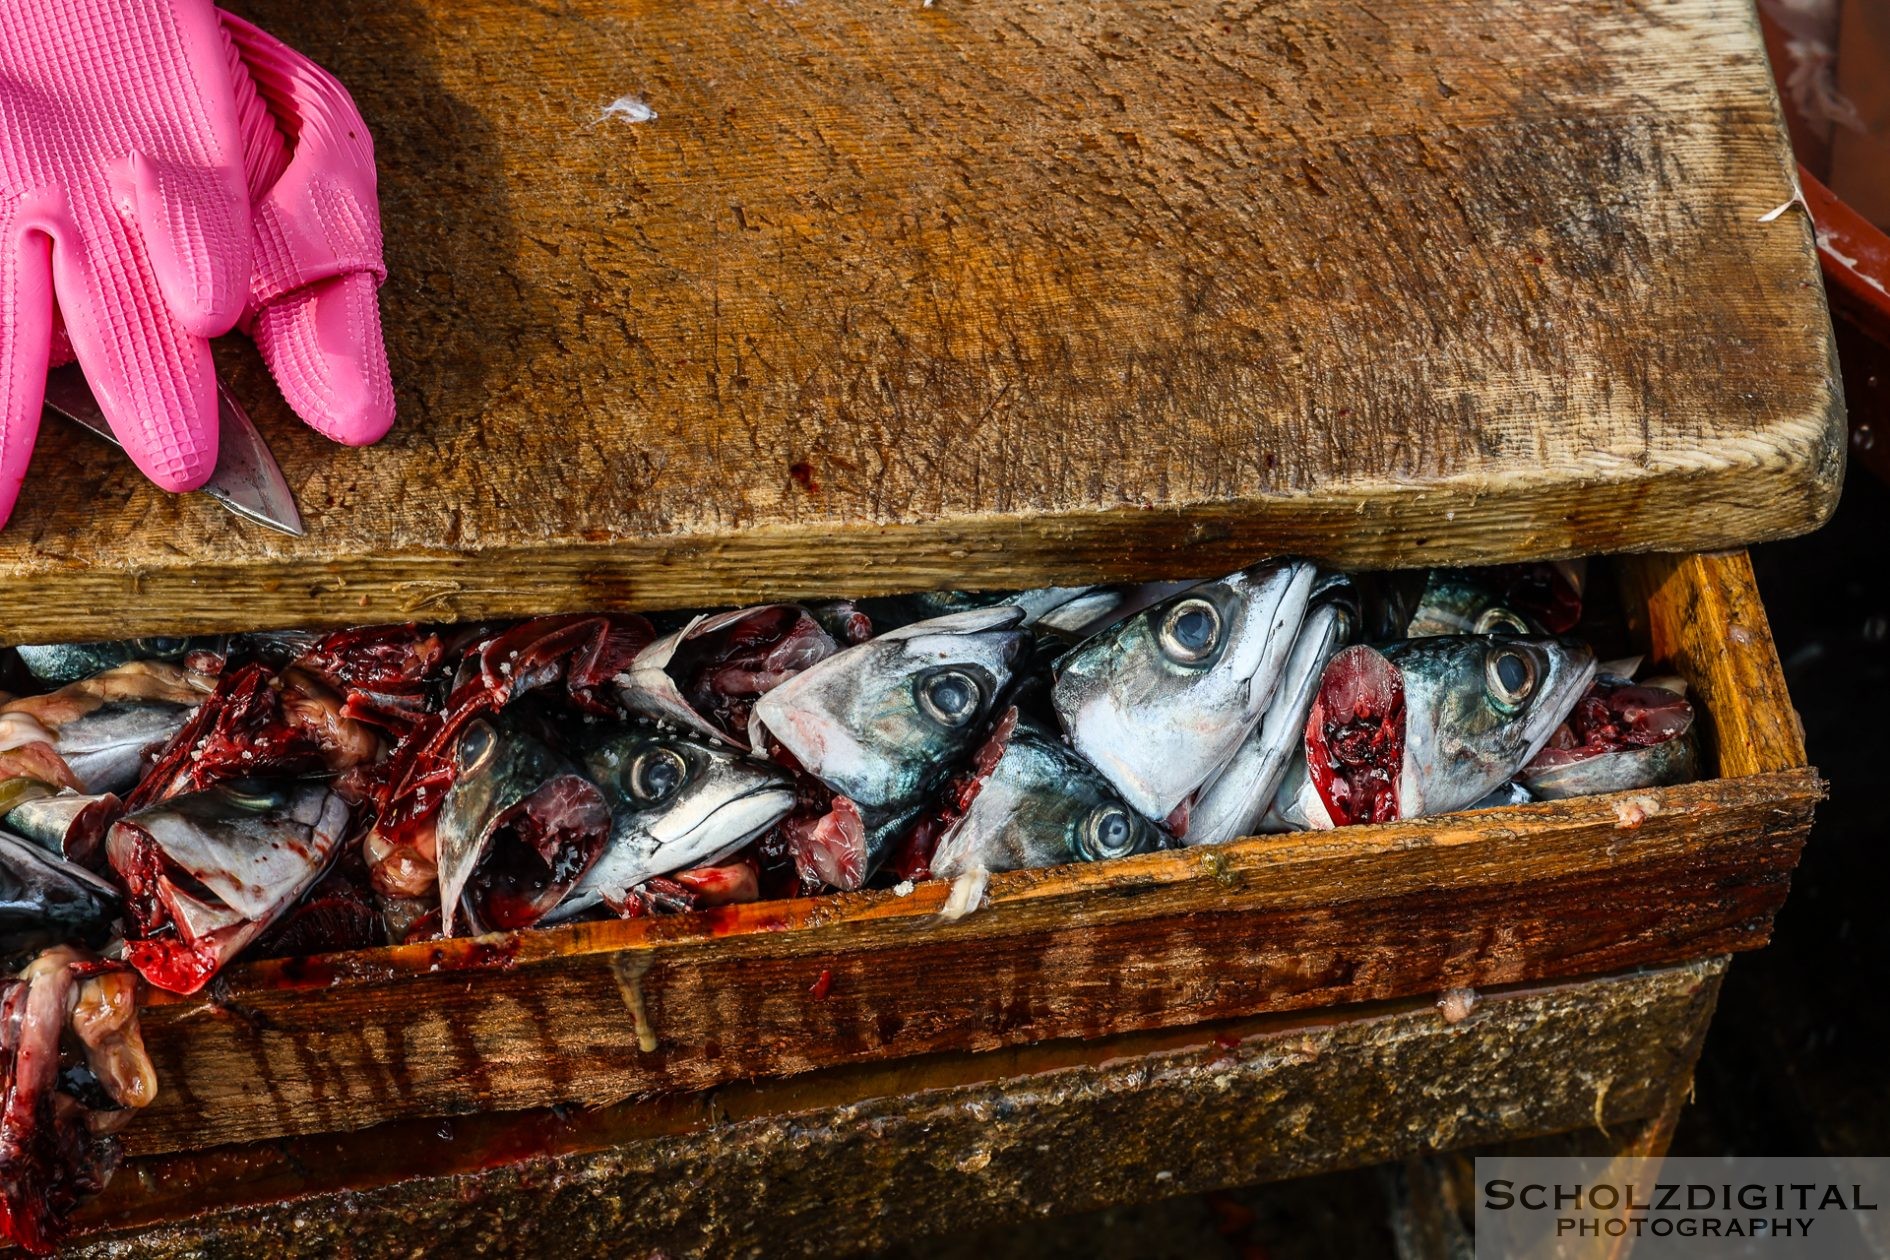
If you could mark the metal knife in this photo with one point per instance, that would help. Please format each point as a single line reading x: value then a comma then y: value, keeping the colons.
x: 247, y: 480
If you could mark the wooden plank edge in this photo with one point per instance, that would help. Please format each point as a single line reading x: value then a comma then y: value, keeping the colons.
x: 862, y: 1157
x: 1300, y: 870
x: 599, y: 1028
x: 1386, y: 526
x: 1703, y: 615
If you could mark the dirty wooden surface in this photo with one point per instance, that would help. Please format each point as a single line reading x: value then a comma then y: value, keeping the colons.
x: 1168, y: 940
x: 889, y: 296
x: 1702, y: 614
x: 1281, y: 923
x: 855, y: 1159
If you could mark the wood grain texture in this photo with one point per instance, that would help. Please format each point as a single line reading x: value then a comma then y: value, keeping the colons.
x: 1702, y: 614
x: 857, y: 1158
x: 1167, y: 940
x: 890, y: 296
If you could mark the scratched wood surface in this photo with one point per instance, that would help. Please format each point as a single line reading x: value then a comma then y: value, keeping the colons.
x: 891, y: 296
x: 596, y: 1013
x: 920, y: 1147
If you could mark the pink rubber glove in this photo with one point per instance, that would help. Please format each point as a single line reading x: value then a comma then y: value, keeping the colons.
x: 289, y: 138
x: 312, y: 307
x: 122, y: 191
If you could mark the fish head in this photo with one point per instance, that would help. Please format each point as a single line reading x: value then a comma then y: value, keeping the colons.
x: 883, y: 722
x: 61, y: 663
x: 1041, y: 805
x: 206, y: 872
x: 1542, y: 598
x: 1459, y: 601
x: 675, y: 803
x: 695, y: 801
x: 1159, y: 701
x: 45, y: 900
x: 1235, y: 801
x: 254, y: 845
x: 1426, y: 726
x: 517, y: 830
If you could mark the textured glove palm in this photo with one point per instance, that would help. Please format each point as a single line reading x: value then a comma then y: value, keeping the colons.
x: 166, y: 171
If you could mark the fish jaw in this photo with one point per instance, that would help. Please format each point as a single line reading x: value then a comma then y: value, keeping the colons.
x: 1297, y: 806
x: 854, y: 721
x: 1233, y: 803
x: 1656, y: 766
x: 1157, y: 728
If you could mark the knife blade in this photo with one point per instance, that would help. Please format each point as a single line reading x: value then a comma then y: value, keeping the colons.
x: 247, y: 481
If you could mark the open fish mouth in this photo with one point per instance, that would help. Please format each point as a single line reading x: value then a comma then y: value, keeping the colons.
x: 534, y: 852
x: 1619, y: 736
x: 516, y: 831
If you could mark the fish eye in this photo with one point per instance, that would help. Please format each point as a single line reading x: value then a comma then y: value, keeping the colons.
x: 951, y: 698
x: 657, y: 774
x: 160, y: 646
x: 1510, y: 675
x: 1191, y: 631
x: 1108, y: 832
x: 1499, y: 620
x: 475, y: 747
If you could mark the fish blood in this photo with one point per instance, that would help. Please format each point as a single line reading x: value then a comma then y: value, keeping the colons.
x: 1355, y: 737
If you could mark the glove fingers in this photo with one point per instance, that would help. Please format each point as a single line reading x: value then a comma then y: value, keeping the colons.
x: 324, y: 346
x: 195, y: 224
x: 154, y: 381
x: 314, y: 313
x: 26, y: 307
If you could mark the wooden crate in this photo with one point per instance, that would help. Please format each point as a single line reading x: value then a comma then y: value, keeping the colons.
x: 892, y: 296
x: 652, y: 1017
x: 898, y: 297
x: 854, y: 1159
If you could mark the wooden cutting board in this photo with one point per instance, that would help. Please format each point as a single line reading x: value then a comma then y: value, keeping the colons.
x: 888, y: 295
